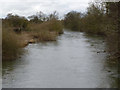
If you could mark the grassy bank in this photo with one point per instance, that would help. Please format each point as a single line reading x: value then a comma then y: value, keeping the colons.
x: 47, y: 31
x: 10, y: 45
x: 19, y: 32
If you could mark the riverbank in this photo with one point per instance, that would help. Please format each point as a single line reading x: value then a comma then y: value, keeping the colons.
x: 69, y: 62
x: 14, y: 40
x: 32, y: 37
x: 98, y: 22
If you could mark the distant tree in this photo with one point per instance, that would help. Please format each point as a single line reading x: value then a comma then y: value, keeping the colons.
x: 17, y: 21
x: 72, y: 20
x: 38, y: 18
x: 41, y: 16
x: 34, y: 19
x: 94, y: 19
x: 53, y: 15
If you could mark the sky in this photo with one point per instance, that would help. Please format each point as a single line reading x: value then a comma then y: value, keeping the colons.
x: 30, y: 7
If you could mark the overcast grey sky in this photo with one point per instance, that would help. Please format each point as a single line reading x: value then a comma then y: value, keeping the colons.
x: 30, y: 7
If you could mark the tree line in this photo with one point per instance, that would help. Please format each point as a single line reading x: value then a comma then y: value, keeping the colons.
x: 21, y: 22
x: 19, y: 31
x: 101, y: 18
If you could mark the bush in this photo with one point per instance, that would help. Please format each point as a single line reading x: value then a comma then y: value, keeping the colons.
x: 10, y: 47
x: 56, y: 26
x: 72, y: 20
x: 44, y: 36
x: 17, y: 21
x: 46, y: 31
x: 51, y: 26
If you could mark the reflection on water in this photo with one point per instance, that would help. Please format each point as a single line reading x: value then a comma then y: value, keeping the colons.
x: 75, y: 60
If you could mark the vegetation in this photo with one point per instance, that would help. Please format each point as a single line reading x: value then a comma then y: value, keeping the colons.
x: 72, y: 20
x: 19, y: 31
x: 92, y: 21
x: 11, y: 46
x: 101, y: 19
x: 47, y: 31
x: 15, y: 21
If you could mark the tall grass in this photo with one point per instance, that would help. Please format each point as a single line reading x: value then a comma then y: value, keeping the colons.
x: 47, y: 31
x: 44, y: 36
x: 10, y: 45
x: 12, y: 42
x: 52, y: 26
x: 56, y: 26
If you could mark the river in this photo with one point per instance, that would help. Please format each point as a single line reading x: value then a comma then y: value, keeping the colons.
x: 75, y: 60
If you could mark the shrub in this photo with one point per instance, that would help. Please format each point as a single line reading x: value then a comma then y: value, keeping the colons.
x: 72, y: 20
x: 44, y: 36
x: 56, y: 26
x: 10, y: 47
x: 48, y: 26
x: 17, y: 21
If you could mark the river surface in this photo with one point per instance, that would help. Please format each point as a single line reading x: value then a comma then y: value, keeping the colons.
x: 75, y: 60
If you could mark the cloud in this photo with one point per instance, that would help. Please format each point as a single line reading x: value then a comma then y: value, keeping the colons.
x: 30, y: 7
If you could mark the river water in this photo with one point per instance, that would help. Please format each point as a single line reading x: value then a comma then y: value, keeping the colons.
x: 75, y: 60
